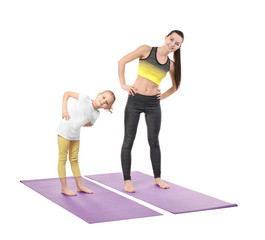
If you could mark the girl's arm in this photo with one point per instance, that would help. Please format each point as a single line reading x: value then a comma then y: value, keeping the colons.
x: 173, y: 88
x: 89, y: 124
x: 138, y: 53
x: 66, y: 96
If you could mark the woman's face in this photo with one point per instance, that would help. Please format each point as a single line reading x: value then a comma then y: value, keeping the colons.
x: 173, y: 42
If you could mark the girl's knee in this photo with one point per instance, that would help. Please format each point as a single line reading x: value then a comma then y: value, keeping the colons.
x: 73, y: 159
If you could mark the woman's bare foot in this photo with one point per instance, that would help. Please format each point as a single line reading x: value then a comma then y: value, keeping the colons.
x: 67, y: 191
x: 128, y: 187
x: 160, y: 183
x: 83, y: 189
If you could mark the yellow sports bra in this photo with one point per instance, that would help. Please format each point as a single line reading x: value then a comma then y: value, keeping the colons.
x: 151, y: 69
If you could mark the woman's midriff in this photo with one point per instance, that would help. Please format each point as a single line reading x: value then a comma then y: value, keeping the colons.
x: 145, y: 87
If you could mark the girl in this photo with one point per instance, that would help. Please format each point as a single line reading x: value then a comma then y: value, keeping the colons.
x: 144, y: 96
x: 84, y: 113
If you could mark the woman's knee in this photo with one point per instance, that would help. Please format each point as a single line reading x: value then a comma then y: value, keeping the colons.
x: 128, y: 143
x: 153, y: 142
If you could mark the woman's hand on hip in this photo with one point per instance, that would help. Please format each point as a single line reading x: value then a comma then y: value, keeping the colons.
x: 130, y: 89
x: 159, y: 94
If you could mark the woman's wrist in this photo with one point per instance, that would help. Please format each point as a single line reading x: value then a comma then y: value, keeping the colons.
x: 123, y: 86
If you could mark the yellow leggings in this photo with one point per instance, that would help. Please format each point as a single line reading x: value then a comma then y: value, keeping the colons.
x: 73, y: 147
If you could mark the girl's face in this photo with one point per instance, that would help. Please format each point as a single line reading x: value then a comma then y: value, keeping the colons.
x: 104, y: 100
x: 173, y: 42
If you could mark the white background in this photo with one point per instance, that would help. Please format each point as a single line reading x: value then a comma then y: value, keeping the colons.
x: 212, y: 135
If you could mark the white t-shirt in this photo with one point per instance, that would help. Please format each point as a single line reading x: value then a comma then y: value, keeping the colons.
x: 81, y: 113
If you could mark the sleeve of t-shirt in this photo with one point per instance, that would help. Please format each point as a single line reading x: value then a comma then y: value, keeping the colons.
x: 82, y: 96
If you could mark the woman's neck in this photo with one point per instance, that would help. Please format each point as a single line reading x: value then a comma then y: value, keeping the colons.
x: 162, y: 51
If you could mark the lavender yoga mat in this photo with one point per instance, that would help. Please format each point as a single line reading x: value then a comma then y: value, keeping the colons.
x: 102, y: 206
x: 176, y: 199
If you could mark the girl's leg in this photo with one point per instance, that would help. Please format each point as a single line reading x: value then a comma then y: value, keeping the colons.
x: 73, y: 157
x: 63, y: 145
x: 153, y: 122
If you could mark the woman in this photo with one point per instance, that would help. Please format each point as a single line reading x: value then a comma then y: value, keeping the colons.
x: 144, y: 96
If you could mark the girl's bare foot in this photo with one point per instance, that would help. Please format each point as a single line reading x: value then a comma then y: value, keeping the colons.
x: 82, y: 188
x: 128, y: 187
x: 160, y: 183
x: 67, y: 191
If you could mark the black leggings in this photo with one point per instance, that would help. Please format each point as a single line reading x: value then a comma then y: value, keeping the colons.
x: 137, y: 104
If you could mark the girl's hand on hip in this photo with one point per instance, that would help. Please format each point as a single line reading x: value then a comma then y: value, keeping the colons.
x: 66, y: 115
x: 159, y: 94
x: 130, y: 89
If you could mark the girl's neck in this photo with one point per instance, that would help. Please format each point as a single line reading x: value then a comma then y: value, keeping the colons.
x: 94, y: 104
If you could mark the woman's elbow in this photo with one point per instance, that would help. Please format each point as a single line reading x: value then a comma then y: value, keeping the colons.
x: 174, y: 88
x: 121, y: 62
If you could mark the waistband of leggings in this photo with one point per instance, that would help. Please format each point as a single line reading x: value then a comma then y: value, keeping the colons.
x: 144, y: 97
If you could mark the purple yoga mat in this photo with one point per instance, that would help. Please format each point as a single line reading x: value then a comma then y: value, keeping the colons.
x: 176, y: 199
x: 101, y: 206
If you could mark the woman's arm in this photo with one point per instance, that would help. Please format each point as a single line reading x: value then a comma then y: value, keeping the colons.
x: 173, y: 88
x: 138, y: 53
x: 66, y: 96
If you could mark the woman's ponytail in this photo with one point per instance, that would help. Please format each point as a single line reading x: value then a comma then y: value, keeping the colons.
x: 177, y: 60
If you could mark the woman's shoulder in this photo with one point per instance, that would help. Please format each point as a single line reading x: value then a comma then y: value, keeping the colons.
x: 145, y: 50
x: 146, y: 47
x: 172, y: 65
x: 171, y: 61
